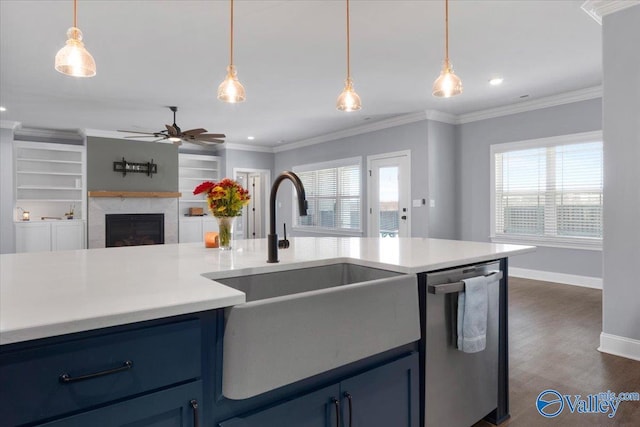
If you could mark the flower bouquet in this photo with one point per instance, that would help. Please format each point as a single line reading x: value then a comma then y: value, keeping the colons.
x: 226, y: 200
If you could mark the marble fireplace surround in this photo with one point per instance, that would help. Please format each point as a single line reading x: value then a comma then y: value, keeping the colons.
x: 102, y: 203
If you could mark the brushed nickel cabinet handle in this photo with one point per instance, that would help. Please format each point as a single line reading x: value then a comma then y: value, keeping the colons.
x: 66, y: 378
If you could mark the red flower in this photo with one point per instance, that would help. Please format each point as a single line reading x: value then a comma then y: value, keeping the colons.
x: 204, y: 187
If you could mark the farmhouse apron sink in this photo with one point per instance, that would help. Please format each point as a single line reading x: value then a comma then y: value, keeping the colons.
x: 304, y: 321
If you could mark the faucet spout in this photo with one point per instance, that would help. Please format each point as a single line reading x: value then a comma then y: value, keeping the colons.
x: 272, y: 238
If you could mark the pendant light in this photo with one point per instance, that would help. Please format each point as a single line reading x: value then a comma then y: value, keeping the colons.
x: 231, y: 90
x: 348, y: 99
x: 448, y: 84
x: 73, y: 59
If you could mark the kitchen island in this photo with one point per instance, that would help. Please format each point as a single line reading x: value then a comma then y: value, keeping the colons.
x: 164, y: 298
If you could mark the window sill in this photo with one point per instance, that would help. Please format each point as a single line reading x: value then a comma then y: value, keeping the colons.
x: 594, y: 245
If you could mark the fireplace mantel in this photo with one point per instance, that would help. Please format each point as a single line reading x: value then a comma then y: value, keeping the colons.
x: 136, y: 194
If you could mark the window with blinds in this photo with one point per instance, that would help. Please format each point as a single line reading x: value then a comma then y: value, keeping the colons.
x: 333, y: 195
x: 549, y: 192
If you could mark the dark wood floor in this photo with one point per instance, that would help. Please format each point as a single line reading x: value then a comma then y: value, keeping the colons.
x: 554, y: 331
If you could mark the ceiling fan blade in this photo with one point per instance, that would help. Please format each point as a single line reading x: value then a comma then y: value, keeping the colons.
x: 208, y: 138
x: 135, y: 131
x: 141, y: 136
x: 194, y: 131
x: 210, y: 141
x: 172, y: 131
x: 213, y: 135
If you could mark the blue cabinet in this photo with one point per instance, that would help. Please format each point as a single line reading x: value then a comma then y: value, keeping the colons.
x: 381, y: 397
x: 176, y: 407
x: 317, y: 409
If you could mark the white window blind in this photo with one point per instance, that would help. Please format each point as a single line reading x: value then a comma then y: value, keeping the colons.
x: 333, y: 194
x: 549, y: 194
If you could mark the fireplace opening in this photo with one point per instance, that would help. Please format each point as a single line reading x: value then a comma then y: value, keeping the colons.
x: 134, y: 229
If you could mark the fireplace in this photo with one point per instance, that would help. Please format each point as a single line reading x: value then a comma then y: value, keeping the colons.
x: 134, y: 229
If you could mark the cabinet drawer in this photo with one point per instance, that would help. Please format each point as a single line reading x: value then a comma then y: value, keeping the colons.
x: 31, y: 382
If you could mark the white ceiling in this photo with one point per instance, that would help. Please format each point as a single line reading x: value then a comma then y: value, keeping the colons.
x: 290, y: 56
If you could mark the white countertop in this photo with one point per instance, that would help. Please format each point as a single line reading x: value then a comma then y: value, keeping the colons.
x: 53, y: 293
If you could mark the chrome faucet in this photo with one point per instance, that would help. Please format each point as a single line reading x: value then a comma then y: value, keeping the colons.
x: 272, y: 241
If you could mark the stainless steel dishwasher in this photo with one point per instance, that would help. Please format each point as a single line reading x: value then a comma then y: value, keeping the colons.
x: 459, y: 388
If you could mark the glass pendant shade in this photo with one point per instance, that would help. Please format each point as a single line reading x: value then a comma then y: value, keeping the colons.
x: 231, y: 90
x: 348, y: 99
x: 447, y: 84
x: 73, y: 59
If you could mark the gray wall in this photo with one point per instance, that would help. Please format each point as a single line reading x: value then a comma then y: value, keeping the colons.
x: 248, y: 160
x: 7, y: 240
x: 621, y: 299
x: 412, y: 137
x: 442, y: 168
x: 473, y: 184
x: 102, y: 152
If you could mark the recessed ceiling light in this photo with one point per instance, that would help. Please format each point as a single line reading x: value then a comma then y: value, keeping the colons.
x: 496, y: 81
x: 251, y: 138
x: 2, y: 109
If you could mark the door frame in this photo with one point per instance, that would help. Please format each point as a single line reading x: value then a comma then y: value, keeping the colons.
x: 266, y: 174
x: 370, y: 159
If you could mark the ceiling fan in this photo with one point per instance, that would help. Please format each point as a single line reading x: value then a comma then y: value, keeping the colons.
x: 176, y: 135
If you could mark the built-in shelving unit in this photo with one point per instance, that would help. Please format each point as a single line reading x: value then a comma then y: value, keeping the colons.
x: 49, y: 179
x: 49, y: 183
x: 193, y: 170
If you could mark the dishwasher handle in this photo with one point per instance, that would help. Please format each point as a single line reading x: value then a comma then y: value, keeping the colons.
x: 449, y: 288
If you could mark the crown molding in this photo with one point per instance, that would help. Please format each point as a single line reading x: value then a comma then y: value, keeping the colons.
x: 440, y: 116
x: 9, y: 124
x: 48, y: 134
x: 358, y: 130
x: 99, y: 133
x: 246, y: 147
x: 599, y: 8
x: 534, y: 104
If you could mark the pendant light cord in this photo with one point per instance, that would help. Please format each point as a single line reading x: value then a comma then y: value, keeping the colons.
x: 446, y: 31
x: 348, y: 45
x: 75, y: 13
x: 231, y: 36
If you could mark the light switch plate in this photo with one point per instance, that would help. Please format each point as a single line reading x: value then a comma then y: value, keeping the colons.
x: 432, y: 203
x: 417, y: 203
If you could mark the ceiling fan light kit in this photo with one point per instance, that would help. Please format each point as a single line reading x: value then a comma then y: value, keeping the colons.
x: 231, y: 90
x: 74, y: 59
x: 447, y: 84
x: 348, y: 99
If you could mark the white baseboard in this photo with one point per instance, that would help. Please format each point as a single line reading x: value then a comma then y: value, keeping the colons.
x: 550, y: 276
x: 619, y: 346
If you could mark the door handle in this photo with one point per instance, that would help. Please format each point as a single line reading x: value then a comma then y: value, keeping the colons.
x: 403, y: 217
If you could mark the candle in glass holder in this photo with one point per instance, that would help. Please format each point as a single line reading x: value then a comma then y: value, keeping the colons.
x: 25, y: 215
x: 211, y: 239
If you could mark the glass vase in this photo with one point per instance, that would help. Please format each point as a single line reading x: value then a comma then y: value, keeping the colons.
x: 225, y: 230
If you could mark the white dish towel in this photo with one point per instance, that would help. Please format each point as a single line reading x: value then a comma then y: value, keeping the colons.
x: 472, y: 315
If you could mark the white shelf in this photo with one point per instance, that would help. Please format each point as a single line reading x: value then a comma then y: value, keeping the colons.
x: 70, y: 162
x: 49, y: 178
x: 37, y: 187
x: 49, y: 173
